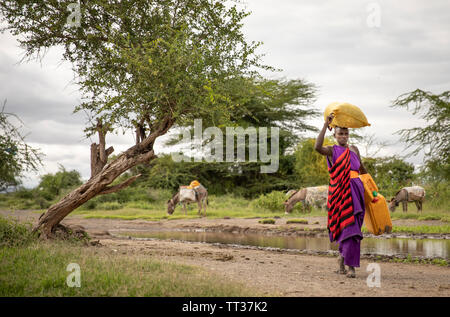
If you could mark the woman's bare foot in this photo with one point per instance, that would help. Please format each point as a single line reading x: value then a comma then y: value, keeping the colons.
x: 342, y: 269
x: 351, y: 272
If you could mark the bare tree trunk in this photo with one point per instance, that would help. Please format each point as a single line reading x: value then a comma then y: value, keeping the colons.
x: 102, y: 175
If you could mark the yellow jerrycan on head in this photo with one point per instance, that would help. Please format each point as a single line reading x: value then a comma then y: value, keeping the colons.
x: 377, y: 218
x: 346, y: 115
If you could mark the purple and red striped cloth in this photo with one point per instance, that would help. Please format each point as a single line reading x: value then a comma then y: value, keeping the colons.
x: 340, y: 204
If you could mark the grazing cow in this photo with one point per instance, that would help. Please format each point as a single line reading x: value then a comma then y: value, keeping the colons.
x: 311, y: 196
x: 408, y: 194
x: 186, y: 195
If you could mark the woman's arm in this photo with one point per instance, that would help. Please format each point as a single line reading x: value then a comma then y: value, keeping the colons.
x: 324, y: 150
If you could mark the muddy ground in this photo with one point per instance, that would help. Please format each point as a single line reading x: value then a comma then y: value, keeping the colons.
x: 276, y: 273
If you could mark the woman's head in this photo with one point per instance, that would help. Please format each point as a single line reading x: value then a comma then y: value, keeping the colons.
x: 341, y: 135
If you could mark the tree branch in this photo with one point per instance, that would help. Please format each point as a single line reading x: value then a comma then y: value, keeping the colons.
x: 113, y: 189
x: 165, y: 125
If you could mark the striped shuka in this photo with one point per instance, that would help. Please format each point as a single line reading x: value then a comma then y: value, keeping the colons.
x: 340, y: 204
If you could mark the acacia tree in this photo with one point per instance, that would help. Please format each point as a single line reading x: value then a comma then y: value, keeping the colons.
x: 434, y: 137
x: 16, y: 156
x: 143, y: 66
x: 285, y: 104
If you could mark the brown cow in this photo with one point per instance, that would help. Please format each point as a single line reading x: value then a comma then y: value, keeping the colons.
x: 405, y: 195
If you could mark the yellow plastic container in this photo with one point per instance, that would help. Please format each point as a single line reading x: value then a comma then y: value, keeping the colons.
x: 194, y: 184
x: 377, y: 218
x: 346, y: 115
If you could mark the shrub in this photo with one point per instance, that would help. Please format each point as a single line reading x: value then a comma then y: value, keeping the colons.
x: 24, y: 193
x: 13, y: 233
x: 272, y: 201
x: 436, y: 196
x: 90, y: 205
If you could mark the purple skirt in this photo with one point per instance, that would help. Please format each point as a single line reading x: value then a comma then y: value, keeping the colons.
x: 349, y: 239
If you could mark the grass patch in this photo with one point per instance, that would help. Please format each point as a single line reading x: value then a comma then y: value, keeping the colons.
x: 13, y: 233
x: 430, y: 217
x: 32, y: 267
x: 40, y: 270
x: 301, y: 221
x: 409, y: 259
x: 267, y: 221
x: 422, y: 229
x: 419, y: 216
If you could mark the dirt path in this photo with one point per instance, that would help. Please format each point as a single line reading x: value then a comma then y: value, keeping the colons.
x: 275, y: 273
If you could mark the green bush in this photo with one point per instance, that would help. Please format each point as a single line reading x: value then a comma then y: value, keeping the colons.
x: 13, y: 233
x: 51, y: 185
x: 24, y: 193
x: 272, y: 201
x: 436, y: 196
x: 89, y: 205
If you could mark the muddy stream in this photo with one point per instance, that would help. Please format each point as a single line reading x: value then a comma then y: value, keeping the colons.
x: 398, y: 246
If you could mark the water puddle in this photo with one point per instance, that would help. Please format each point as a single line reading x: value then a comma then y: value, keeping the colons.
x: 428, y: 248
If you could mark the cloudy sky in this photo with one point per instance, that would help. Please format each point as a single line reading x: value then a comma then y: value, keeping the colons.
x: 363, y: 52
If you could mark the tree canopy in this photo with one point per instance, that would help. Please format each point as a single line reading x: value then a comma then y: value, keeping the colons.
x: 141, y: 62
x: 16, y: 156
x: 434, y: 137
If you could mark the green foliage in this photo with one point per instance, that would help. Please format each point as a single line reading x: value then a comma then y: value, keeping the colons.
x: 41, y: 270
x: 434, y: 137
x: 273, y: 202
x: 14, y: 233
x: 390, y: 173
x: 147, y: 66
x: 139, y: 63
x: 133, y: 196
x: 285, y: 104
x: 109, y: 206
x: 429, y: 217
x: 311, y: 166
x: 15, y: 155
x: 435, y: 171
x: 52, y: 185
x: 437, y: 195
x: 422, y: 229
x: 241, y: 179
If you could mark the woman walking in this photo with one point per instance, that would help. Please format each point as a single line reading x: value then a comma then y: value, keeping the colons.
x: 345, y: 196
